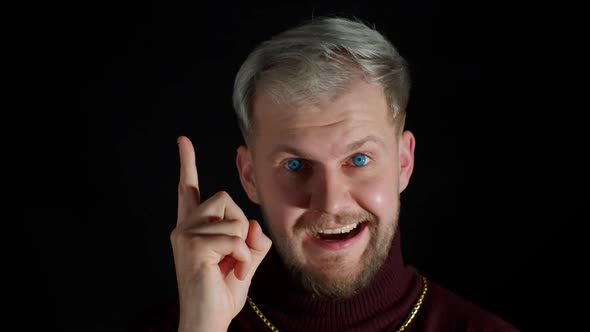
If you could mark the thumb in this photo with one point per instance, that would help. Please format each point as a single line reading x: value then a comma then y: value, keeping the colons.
x: 258, y: 243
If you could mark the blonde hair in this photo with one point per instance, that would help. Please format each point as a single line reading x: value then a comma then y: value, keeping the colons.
x: 318, y: 59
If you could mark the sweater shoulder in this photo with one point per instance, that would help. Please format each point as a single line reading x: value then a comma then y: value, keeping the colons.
x: 444, y: 310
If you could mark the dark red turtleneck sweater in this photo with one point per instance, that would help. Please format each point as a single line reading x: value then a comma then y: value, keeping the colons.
x: 382, y: 306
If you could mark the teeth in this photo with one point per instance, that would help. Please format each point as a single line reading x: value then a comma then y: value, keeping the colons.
x: 340, y: 230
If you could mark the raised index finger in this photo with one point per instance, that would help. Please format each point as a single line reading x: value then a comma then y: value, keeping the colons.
x: 188, y: 185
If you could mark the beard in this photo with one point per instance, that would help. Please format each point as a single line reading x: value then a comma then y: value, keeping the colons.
x: 325, y: 281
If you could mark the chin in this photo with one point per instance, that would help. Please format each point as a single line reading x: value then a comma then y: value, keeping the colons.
x: 338, y: 277
x: 332, y: 282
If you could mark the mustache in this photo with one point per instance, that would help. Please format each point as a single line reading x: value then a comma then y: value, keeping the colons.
x: 318, y: 221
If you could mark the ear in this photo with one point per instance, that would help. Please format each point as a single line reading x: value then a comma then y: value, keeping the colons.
x: 406, y: 146
x: 246, y: 171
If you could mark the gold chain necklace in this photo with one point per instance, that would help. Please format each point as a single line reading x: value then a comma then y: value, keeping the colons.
x: 403, y: 327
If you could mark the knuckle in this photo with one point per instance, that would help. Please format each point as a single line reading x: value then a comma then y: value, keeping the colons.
x: 222, y: 195
x: 236, y: 241
x: 177, y: 239
x: 181, y: 188
x: 237, y: 228
x: 184, y: 189
x: 268, y: 243
x: 174, y: 235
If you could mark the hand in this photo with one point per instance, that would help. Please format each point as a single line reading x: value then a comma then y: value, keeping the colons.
x: 216, y: 252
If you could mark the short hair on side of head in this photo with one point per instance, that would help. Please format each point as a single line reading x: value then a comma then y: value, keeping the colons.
x: 316, y: 60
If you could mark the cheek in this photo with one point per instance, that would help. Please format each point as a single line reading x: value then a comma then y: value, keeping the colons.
x: 287, y: 190
x: 377, y: 196
x: 281, y: 202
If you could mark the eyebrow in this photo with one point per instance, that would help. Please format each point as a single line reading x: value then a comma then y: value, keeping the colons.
x: 354, y: 145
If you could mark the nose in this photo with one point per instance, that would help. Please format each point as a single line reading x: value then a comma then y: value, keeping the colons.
x: 329, y: 192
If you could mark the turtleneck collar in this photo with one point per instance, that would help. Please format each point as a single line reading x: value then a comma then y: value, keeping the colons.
x: 382, y: 305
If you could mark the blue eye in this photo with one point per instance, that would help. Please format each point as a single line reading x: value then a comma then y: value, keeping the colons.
x: 359, y: 159
x: 294, y: 164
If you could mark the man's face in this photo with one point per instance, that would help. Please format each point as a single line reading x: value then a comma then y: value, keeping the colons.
x: 328, y: 178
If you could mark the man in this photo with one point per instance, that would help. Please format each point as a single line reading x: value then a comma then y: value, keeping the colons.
x: 321, y: 108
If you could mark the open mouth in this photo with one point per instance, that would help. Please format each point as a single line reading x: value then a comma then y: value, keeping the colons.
x: 339, y: 234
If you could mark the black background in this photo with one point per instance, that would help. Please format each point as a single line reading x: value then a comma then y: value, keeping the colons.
x: 487, y: 213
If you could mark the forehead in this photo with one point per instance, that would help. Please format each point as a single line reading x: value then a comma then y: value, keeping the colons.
x: 325, y: 130
x: 362, y: 106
